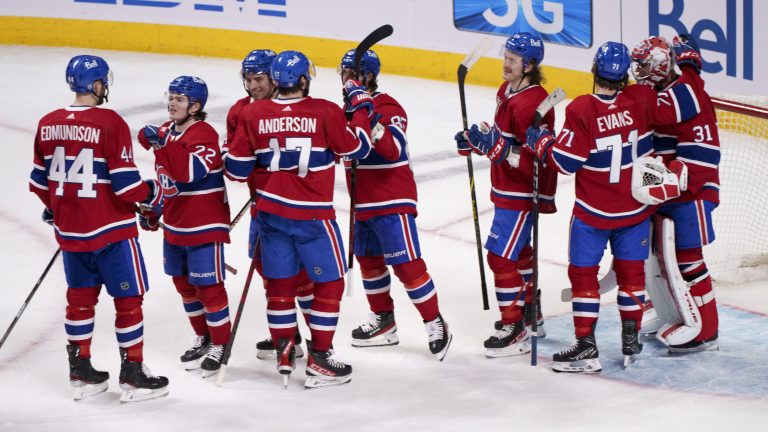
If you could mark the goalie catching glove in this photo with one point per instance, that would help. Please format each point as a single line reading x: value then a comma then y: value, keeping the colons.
x: 653, y: 183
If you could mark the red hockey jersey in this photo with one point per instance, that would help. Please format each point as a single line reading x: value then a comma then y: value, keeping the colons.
x: 601, y: 138
x: 512, y: 188
x: 259, y: 176
x: 298, y: 140
x: 190, y: 169
x: 84, y: 172
x: 385, y: 183
x: 695, y: 142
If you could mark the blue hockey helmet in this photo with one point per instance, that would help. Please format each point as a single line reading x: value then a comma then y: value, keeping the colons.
x: 612, y: 61
x: 369, y: 62
x: 84, y: 70
x: 289, y: 66
x: 258, y: 61
x: 192, y: 87
x: 528, y: 46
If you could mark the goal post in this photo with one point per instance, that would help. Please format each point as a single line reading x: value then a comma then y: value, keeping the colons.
x: 740, y: 251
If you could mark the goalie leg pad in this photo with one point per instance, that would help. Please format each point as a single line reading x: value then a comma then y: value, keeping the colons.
x: 670, y: 295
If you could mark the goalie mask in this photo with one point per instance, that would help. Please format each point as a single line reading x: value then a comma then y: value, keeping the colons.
x: 653, y: 183
x: 652, y: 61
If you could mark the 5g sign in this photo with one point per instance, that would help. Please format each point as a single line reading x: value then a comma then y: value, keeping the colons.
x: 545, y: 17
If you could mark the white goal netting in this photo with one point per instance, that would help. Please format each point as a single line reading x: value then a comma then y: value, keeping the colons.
x: 740, y: 251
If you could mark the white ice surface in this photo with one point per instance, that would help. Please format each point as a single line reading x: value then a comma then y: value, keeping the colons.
x: 395, y: 388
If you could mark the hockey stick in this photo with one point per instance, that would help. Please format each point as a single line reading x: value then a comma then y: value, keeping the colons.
x: 554, y: 98
x: 474, y: 55
x: 235, y: 325
x: 29, y: 297
x: 372, y: 39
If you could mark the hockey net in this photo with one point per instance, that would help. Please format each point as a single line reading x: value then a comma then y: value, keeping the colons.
x: 740, y: 252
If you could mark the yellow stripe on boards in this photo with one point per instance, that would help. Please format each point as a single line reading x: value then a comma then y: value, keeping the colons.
x: 210, y: 42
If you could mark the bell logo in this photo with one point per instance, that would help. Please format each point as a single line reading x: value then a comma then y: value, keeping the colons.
x: 292, y: 62
x: 91, y: 64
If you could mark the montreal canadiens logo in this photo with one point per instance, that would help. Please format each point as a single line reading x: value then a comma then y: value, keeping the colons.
x: 167, y: 183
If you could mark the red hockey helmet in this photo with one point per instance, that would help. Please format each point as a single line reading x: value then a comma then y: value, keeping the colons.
x: 652, y: 60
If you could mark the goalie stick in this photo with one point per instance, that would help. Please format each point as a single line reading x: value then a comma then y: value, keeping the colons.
x: 29, y: 297
x: 372, y: 39
x: 554, y: 98
x: 474, y: 55
x: 607, y: 284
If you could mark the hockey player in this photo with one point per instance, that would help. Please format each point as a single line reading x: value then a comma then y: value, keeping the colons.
x: 258, y: 84
x: 385, y: 219
x: 510, y: 255
x: 299, y: 138
x: 85, y: 175
x: 196, y: 214
x: 695, y: 144
x: 602, y: 135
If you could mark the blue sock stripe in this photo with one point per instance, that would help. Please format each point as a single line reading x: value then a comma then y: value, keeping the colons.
x: 586, y: 307
x: 422, y: 291
x: 217, y: 316
x: 128, y: 337
x: 193, y: 307
x: 377, y: 283
x: 79, y: 330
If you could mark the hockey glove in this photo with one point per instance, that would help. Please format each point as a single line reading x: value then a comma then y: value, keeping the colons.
x: 652, y: 182
x: 539, y: 140
x: 152, y: 137
x: 462, y: 145
x: 487, y: 140
x: 149, y: 220
x: 687, y: 51
x: 155, y: 196
x: 355, y: 97
x: 47, y: 216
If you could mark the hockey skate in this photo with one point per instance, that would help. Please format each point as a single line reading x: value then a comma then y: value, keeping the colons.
x: 85, y: 380
x: 323, y: 370
x: 439, y: 337
x: 528, y: 314
x: 509, y: 340
x: 137, y: 381
x: 630, y: 343
x: 192, y: 358
x: 380, y: 330
x: 266, y: 349
x: 286, y: 359
x: 212, y: 361
x: 695, y: 346
x: 581, y: 357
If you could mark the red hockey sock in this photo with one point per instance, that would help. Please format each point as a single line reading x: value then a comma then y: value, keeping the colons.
x: 325, y: 313
x: 129, y: 326
x: 586, y: 298
x: 421, y: 290
x: 192, y: 304
x: 376, y: 282
x: 630, y: 275
x: 509, y: 288
x: 305, y: 293
x: 281, y: 308
x: 216, y: 304
x: 80, y: 317
x: 525, y: 267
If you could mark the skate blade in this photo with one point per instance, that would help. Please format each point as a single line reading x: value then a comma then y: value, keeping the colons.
x: 441, y: 355
x: 706, y: 346
x: 517, y: 349
x: 209, y: 373
x: 580, y: 366
x: 381, y: 340
x: 628, y: 360
x: 192, y: 365
x: 131, y: 394
x: 318, y: 382
x: 84, y: 390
